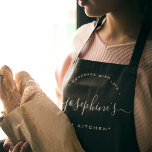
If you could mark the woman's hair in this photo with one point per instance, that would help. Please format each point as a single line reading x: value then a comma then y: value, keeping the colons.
x: 141, y: 4
x: 145, y: 7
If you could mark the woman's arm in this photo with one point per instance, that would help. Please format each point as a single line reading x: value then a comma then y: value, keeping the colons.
x: 59, y: 76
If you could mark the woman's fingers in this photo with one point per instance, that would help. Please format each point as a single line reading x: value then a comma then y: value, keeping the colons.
x: 25, y: 147
x: 7, y: 144
x: 21, y: 146
x: 17, y: 147
x: 8, y: 90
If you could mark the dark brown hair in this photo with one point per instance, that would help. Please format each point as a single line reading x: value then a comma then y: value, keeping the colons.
x: 145, y: 7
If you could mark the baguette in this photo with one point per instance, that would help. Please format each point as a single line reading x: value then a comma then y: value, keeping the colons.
x: 9, y: 94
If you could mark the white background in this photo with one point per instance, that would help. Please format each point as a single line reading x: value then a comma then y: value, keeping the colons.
x: 27, y: 38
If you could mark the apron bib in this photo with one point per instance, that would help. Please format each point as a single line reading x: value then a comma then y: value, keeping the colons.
x: 98, y: 99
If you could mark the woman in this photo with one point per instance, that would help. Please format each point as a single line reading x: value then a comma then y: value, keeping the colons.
x: 107, y: 90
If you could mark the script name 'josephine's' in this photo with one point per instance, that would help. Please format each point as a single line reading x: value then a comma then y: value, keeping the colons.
x: 94, y: 105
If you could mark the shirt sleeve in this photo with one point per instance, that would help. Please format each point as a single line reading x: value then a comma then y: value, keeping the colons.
x: 59, y: 76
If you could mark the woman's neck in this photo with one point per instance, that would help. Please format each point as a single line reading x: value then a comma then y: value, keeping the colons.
x: 121, y: 26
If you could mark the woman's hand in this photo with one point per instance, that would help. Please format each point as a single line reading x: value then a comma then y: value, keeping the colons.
x: 8, y: 144
x: 21, y: 146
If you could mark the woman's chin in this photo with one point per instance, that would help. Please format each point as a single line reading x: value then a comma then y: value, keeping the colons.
x: 91, y: 13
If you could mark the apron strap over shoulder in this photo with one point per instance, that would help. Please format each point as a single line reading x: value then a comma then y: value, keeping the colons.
x: 140, y: 44
x: 99, y: 22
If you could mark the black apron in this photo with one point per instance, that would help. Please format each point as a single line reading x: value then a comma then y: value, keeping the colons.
x: 98, y: 99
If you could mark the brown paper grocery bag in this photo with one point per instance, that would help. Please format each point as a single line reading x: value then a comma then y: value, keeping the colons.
x: 43, y: 125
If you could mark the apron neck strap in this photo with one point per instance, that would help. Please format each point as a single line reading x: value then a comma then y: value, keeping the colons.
x: 140, y: 44
x: 99, y: 22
